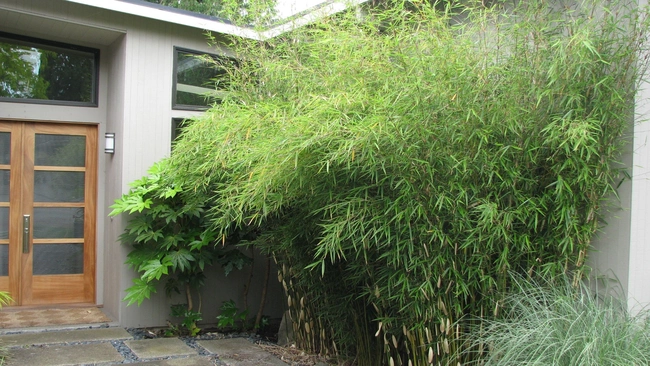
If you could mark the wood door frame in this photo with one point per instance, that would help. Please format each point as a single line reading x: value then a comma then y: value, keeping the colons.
x: 26, y: 288
x: 15, y: 197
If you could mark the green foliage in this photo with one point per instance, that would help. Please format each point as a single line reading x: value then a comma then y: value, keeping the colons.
x: 171, y: 240
x: 233, y: 259
x: 401, y: 166
x: 231, y: 317
x: 172, y: 330
x: 140, y: 291
x: 17, y: 75
x: 5, y: 299
x: 258, y: 12
x: 190, y: 318
x: 264, y: 323
x: 170, y: 237
x: 555, y: 323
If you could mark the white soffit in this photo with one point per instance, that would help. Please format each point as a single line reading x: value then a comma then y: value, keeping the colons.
x: 293, y: 14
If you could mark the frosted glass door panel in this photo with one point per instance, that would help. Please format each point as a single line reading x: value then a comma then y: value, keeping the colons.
x: 4, y: 260
x: 52, y: 259
x: 4, y: 186
x: 58, y: 186
x: 5, y: 147
x: 60, y: 150
x: 58, y: 222
x: 4, y: 222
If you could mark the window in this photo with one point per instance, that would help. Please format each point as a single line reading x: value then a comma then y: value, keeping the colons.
x: 39, y: 71
x: 177, y: 128
x: 197, y: 81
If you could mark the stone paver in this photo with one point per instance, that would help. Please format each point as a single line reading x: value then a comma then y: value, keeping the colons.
x: 81, y: 335
x: 240, y: 352
x: 160, y: 347
x: 60, y: 355
x: 185, y: 361
x: 93, y: 346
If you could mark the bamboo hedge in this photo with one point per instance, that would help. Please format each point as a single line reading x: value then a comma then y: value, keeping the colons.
x: 400, y: 165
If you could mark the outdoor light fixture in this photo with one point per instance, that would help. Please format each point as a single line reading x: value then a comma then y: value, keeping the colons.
x: 110, y: 143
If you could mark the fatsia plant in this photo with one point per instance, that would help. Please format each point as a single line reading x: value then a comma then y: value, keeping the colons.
x: 170, y: 240
x: 401, y: 164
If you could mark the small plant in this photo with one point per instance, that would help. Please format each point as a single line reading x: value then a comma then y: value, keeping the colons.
x: 558, y: 324
x: 172, y: 330
x: 168, y: 236
x: 231, y: 317
x: 263, y: 324
x: 5, y: 299
x: 190, y: 318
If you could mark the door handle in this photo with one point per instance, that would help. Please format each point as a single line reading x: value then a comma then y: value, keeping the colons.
x: 26, y: 225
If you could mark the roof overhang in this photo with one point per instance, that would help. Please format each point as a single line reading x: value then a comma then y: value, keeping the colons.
x: 217, y: 25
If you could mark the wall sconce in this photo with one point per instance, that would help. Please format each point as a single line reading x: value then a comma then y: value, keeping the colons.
x: 109, y: 148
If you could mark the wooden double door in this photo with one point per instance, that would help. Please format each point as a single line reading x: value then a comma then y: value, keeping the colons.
x: 48, y: 179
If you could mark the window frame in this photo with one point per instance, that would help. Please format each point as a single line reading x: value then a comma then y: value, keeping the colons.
x: 177, y: 124
x: 56, y: 46
x: 190, y: 107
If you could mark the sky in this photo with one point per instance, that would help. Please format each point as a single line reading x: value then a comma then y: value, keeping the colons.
x: 287, y: 8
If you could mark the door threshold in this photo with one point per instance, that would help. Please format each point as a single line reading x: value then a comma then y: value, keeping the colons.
x: 42, y: 317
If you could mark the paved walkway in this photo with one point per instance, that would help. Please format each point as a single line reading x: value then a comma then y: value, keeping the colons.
x: 101, y: 346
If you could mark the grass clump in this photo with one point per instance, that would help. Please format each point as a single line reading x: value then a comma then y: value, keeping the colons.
x: 556, y: 323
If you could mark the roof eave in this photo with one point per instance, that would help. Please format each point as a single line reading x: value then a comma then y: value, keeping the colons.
x: 171, y: 15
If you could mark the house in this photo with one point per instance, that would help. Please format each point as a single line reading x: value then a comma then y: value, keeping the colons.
x: 90, y: 94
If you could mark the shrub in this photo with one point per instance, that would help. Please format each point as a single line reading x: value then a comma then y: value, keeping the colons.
x: 171, y: 240
x: 555, y: 323
x: 399, y: 166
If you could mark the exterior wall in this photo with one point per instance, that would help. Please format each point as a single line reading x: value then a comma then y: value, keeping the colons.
x: 113, y: 173
x: 610, y: 258
x: 624, y: 246
x: 135, y: 103
x: 639, y: 268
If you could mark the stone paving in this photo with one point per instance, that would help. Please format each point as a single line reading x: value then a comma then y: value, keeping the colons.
x: 238, y: 352
x: 99, y: 346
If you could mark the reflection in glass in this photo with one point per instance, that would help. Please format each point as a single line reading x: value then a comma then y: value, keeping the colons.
x: 4, y: 222
x: 58, y: 186
x: 60, y: 150
x: 197, y: 78
x: 177, y: 128
x: 4, y: 260
x: 4, y: 185
x: 58, y: 222
x: 39, y: 71
x: 52, y: 259
x: 5, y: 147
